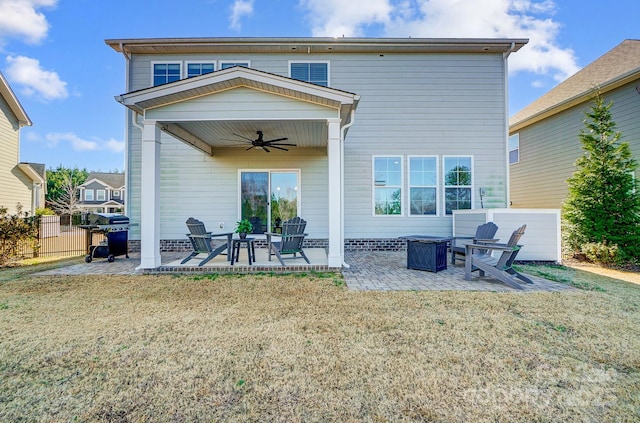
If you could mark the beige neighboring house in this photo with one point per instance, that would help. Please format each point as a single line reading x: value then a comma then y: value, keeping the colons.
x: 20, y: 182
x: 544, y: 142
x: 102, y: 193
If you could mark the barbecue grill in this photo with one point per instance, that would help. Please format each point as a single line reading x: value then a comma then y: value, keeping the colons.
x: 114, y: 228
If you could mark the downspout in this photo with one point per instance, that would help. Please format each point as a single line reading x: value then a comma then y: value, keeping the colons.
x: 342, y: 136
x: 127, y: 186
x: 505, y: 56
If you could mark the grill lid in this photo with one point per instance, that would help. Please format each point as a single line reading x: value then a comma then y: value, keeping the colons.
x: 108, y: 219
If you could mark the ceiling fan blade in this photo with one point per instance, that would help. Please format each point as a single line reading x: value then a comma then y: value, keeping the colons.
x: 249, y: 148
x: 266, y: 149
x: 277, y: 139
x: 241, y: 136
x: 290, y: 145
x: 279, y: 148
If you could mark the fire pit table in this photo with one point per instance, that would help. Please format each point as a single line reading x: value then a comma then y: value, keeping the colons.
x: 426, y: 252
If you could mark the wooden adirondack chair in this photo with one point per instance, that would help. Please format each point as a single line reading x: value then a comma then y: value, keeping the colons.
x: 208, y: 243
x: 500, y: 268
x: 485, y: 233
x: 290, y: 242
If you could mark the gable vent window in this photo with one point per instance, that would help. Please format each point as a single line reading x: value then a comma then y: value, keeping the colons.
x: 314, y: 72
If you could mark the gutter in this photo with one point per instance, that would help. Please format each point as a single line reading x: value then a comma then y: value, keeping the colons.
x: 343, y: 131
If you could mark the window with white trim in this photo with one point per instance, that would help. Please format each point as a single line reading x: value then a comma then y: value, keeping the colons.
x: 101, y: 195
x: 197, y: 69
x: 514, y: 148
x: 314, y: 72
x: 387, y: 185
x: 229, y: 64
x: 88, y: 195
x: 164, y: 73
x: 423, y: 185
x: 458, y: 183
x: 116, y: 193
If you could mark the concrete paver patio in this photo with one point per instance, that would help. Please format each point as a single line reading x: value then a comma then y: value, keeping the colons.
x: 379, y: 270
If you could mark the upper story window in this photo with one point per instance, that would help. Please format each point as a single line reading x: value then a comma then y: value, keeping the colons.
x: 387, y: 185
x: 197, y: 69
x: 88, y: 195
x: 116, y: 193
x: 458, y: 177
x: 164, y: 73
x: 227, y: 64
x: 314, y: 72
x: 423, y: 185
x: 514, y: 148
x: 101, y: 195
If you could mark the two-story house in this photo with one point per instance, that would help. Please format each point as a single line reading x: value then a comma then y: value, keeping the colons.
x: 378, y: 138
x: 545, y: 141
x: 103, y: 193
x: 20, y: 182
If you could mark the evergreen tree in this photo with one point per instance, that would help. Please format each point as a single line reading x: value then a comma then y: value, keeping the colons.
x: 603, y: 204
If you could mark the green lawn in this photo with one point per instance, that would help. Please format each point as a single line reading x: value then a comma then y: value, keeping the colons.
x: 301, y: 348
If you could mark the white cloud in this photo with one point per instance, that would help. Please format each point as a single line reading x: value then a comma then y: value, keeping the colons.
x: 337, y: 18
x: 239, y: 9
x: 531, y: 19
x: 80, y: 144
x: 35, y: 81
x: 21, y: 19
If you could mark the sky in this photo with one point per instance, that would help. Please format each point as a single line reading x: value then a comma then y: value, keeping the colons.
x: 53, y: 54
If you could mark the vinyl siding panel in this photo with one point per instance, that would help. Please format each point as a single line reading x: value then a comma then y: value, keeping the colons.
x: 549, y: 149
x: 411, y: 104
x: 15, y: 186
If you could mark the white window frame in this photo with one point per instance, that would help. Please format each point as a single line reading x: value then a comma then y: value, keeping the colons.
x: 116, y: 193
x: 165, y: 62
x: 445, y: 186
x: 86, y: 197
x: 185, y: 71
x: 328, y: 63
x: 515, y: 136
x: 104, y: 195
x: 374, y: 186
x: 436, y: 186
x: 224, y: 62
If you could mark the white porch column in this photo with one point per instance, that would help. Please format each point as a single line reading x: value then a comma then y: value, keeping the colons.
x: 150, y: 197
x: 334, y: 153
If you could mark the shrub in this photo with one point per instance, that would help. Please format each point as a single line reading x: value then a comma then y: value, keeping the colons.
x: 45, y: 212
x: 598, y: 252
x: 15, y: 230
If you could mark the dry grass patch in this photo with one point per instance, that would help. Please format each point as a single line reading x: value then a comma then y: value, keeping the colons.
x: 294, y: 348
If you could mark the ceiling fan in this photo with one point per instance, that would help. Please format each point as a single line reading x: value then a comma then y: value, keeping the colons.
x: 263, y: 144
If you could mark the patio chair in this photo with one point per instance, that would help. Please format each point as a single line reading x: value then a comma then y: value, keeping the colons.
x: 208, y: 243
x: 291, y: 240
x: 484, y: 234
x: 479, y: 258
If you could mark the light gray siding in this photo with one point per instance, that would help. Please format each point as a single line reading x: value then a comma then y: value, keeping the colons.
x: 15, y: 186
x: 549, y: 149
x: 411, y: 104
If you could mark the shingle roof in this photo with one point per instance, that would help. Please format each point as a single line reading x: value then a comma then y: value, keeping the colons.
x: 114, y: 180
x: 619, y: 64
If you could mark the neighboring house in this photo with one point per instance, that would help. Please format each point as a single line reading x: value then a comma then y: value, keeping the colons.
x: 544, y: 136
x: 103, y: 193
x: 20, y: 183
x: 390, y: 135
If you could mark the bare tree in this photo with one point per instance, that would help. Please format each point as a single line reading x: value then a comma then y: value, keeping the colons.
x: 67, y: 200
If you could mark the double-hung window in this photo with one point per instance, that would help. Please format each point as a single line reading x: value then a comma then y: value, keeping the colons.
x: 163, y: 73
x: 314, y: 72
x: 88, y: 195
x: 387, y: 185
x: 458, y: 180
x: 514, y: 148
x: 423, y: 185
x: 101, y: 195
x: 230, y: 64
x: 197, y: 69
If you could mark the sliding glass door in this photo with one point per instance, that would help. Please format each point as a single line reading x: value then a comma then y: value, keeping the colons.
x: 268, y: 198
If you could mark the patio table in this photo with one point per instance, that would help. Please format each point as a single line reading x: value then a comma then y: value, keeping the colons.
x: 425, y: 252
